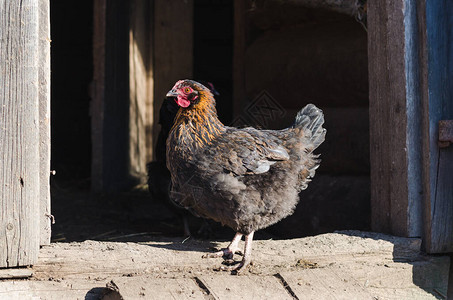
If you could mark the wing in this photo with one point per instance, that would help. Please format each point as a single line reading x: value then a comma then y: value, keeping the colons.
x: 246, y: 151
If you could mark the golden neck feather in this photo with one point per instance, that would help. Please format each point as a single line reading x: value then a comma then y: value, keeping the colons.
x: 198, y: 124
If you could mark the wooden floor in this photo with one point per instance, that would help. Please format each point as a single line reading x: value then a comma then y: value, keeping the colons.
x: 342, y: 265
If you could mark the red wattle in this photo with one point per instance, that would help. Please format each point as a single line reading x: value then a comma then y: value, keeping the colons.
x: 183, y: 102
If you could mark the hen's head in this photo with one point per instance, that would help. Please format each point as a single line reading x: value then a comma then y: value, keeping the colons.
x: 188, y: 93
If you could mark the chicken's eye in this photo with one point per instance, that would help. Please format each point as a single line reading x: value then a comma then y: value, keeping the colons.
x: 187, y: 90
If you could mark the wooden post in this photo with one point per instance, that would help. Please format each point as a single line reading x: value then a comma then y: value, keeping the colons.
x: 21, y: 89
x: 410, y: 70
x: 173, y: 49
x: 120, y: 94
x: 395, y: 118
x: 138, y: 86
x: 97, y: 95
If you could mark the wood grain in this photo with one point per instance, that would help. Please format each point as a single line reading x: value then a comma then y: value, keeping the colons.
x: 120, y: 94
x: 388, y: 121
x: 138, y: 87
x: 19, y: 132
x: 342, y: 265
x: 44, y: 121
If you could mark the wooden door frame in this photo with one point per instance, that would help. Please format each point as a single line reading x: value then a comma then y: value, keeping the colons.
x: 25, y: 131
x: 407, y: 85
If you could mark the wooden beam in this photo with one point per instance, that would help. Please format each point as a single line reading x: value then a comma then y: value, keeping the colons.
x: 173, y: 49
x: 395, y: 118
x: 349, y: 7
x: 97, y: 94
x: 44, y: 120
x: 387, y: 117
x: 139, y: 58
x: 19, y: 132
x: 120, y: 93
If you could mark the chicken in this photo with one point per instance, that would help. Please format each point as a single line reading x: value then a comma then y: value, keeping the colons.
x: 246, y: 179
x: 158, y: 174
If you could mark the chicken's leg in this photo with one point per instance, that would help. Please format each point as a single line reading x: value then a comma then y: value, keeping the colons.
x: 228, y: 252
x: 247, y: 258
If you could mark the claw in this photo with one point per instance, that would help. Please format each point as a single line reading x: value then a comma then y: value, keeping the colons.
x: 227, y: 253
x: 236, y: 267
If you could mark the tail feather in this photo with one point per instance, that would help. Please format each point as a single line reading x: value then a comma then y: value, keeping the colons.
x: 310, y: 119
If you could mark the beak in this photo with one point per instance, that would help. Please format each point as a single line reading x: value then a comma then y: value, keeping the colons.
x: 172, y: 93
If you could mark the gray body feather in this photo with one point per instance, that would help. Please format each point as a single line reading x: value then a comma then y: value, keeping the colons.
x: 247, y: 179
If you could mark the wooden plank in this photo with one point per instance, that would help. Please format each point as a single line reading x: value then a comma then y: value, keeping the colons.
x: 150, y: 122
x: 173, y: 49
x: 387, y: 112
x: 97, y: 94
x: 138, y: 86
x: 395, y: 280
x: 52, y: 289
x: 158, y: 288
x: 395, y: 118
x: 115, y: 107
x: 15, y: 273
x: 19, y: 133
x: 437, y: 94
x: 120, y: 94
x: 367, y: 280
x: 324, y: 284
x: 244, y: 287
x: 44, y: 121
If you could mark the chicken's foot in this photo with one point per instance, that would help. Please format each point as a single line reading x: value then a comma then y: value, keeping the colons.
x: 227, y: 253
x: 247, y: 258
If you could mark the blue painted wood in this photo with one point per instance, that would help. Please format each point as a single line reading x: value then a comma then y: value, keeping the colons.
x: 439, y: 44
x: 414, y: 110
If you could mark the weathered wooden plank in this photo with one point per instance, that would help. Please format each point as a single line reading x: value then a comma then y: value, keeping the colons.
x: 138, y: 86
x: 387, y: 113
x: 19, y: 133
x: 244, y: 287
x: 394, y: 280
x: 97, y: 94
x: 324, y: 284
x: 158, y: 288
x: 395, y: 118
x: 150, y: 122
x: 15, y: 273
x: 437, y: 94
x: 44, y: 121
x: 89, y: 289
x: 120, y: 92
x: 173, y: 49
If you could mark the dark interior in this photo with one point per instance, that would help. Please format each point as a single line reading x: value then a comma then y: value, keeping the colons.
x: 296, y: 55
